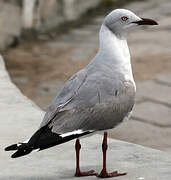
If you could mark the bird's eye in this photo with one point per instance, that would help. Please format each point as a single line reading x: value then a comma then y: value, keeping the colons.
x: 124, y: 18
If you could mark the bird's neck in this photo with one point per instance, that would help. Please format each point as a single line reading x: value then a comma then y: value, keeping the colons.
x: 114, y: 51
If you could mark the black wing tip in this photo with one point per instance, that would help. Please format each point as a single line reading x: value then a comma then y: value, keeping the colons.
x: 20, y: 153
x: 21, y: 150
x: 12, y: 147
x: 14, y: 155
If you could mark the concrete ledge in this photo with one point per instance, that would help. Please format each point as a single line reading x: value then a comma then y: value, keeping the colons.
x: 20, y: 118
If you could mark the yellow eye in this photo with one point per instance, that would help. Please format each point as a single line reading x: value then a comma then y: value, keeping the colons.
x: 124, y: 18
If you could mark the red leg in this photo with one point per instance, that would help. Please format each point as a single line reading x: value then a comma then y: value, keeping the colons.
x: 78, y: 173
x: 104, y: 173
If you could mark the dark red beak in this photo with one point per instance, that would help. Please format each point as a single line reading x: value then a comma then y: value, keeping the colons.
x: 145, y: 21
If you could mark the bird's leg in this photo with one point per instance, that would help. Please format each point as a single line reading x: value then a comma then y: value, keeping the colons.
x: 104, y: 173
x: 78, y: 173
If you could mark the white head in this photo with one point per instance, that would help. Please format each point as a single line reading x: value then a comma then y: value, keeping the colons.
x: 120, y: 21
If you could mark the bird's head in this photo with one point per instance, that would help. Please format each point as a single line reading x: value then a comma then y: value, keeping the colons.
x: 121, y: 21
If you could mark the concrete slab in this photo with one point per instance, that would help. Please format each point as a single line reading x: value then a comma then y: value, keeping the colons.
x: 15, y: 110
x: 153, y: 113
x: 155, y: 91
x: 58, y: 162
x: 164, y: 79
x: 20, y: 119
x: 144, y: 134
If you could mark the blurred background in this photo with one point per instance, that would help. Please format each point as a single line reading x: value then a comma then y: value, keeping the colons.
x: 45, y: 41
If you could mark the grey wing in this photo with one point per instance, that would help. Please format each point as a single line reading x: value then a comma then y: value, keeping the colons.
x: 101, y: 106
x: 80, y: 91
x: 90, y: 100
x: 65, y: 96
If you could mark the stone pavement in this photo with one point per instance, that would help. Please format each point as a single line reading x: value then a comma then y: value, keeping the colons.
x: 20, y: 118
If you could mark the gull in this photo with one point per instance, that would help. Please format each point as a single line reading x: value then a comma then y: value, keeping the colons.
x: 97, y: 98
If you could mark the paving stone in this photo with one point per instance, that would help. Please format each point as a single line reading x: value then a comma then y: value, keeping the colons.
x: 50, y: 88
x: 164, y: 78
x: 93, y: 27
x: 81, y: 55
x: 72, y: 38
x: 21, y: 80
x: 139, y: 99
x: 151, y: 9
x: 59, y: 162
x: 138, y: 6
x: 153, y: 90
x: 153, y: 113
x: 143, y: 133
x: 82, y: 32
x: 69, y: 38
x: 98, y: 20
x: 141, y: 45
x: 59, y: 44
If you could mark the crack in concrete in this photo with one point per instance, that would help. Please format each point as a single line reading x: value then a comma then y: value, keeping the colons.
x: 147, y: 99
x: 162, y: 82
x: 135, y: 118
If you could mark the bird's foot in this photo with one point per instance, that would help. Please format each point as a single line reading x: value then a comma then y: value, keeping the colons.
x: 85, y: 173
x: 105, y: 174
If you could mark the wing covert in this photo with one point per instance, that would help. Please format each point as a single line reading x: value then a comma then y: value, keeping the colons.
x: 65, y: 96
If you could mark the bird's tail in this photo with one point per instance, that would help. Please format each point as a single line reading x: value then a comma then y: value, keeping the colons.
x: 43, y: 138
x: 20, y: 148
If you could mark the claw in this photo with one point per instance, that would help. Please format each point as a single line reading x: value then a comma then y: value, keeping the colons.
x: 86, y: 173
x: 104, y: 174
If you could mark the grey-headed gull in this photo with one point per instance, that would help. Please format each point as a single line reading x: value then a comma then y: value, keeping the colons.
x: 97, y: 98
